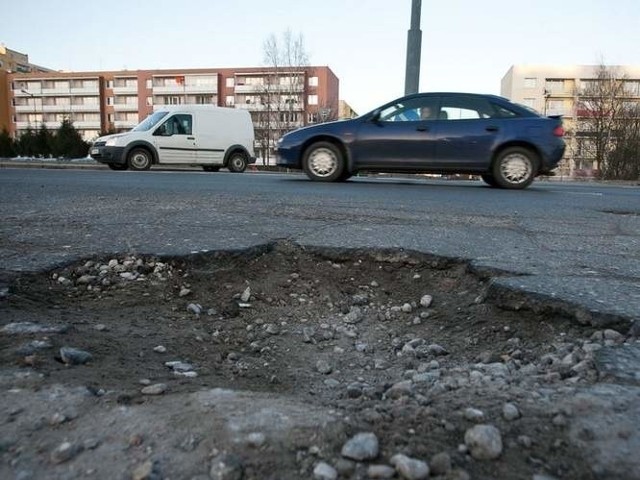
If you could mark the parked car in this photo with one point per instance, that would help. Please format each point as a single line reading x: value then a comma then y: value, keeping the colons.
x: 205, y: 135
x: 507, y: 144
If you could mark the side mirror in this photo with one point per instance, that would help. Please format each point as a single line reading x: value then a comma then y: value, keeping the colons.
x: 375, y: 116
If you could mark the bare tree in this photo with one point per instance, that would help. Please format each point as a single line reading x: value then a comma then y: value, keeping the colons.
x: 282, y: 95
x: 600, y: 107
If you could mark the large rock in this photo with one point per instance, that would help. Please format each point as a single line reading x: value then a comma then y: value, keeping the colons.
x: 484, y: 442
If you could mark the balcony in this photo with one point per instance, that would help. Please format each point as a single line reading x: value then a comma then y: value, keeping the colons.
x: 125, y: 107
x: 275, y: 107
x: 125, y: 123
x: 89, y: 124
x: 268, y: 88
x: 27, y: 108
x: 184, y: 89
x: 124, y: 90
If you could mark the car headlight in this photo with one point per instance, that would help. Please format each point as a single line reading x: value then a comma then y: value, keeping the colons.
x: 111, y: 142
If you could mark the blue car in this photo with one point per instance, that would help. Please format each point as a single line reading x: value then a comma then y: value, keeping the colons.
x: 507, y: 144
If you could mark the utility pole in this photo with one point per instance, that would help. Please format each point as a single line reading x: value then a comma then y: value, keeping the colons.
x: 414, y: 47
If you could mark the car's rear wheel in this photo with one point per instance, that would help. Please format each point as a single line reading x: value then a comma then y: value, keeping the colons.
x: 210, y: 168
x: 118, y: 166
x: 139, y: 159
x: 515, y: 168
x: 323, y: 162
x: 489, y: 180
x: 237, y: 163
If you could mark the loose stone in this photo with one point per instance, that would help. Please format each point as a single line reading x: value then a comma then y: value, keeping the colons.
x: 324, y: 471
x: 246, y: 295
x: 363, y: 446
x: 323, y: 367
x: 484, y: 442
x: 510, y: 412
x: 157, y: 389
x: 74, y: 356
x: 410, y: 468
x: 380, y: 472
x: 474, y: 415
x: 426, y: 301
x: 440, y: 464
x: 65, y: 452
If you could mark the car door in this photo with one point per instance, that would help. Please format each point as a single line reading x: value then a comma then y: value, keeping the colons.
x: 399, y: 136
x: 466, y: 132
x: 174, y: 140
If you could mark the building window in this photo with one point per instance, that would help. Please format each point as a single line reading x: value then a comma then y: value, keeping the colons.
x: 109, y: 83
x: 230, y: 101
x: 149, y: 101
x: 313, y: 81
x: 149, y: 83
x: 530, y: 82
x: 313, y: 99
x: 230, y: 82
x: 109, y: 100
x: 554, y: 86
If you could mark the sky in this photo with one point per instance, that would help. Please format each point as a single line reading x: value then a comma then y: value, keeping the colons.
x: 467, y: 45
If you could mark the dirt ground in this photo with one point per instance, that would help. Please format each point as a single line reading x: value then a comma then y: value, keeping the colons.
x: 336, y: 342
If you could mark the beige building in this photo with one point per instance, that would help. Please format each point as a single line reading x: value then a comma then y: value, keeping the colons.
x: 556, y: 90
x: 99, y: 102
x: 12, y: 61
x: 345, y: 111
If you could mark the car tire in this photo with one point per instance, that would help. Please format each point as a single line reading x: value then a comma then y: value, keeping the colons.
x: 237, y: 163
x: 139, y: 159
x: 489, y: 180
x: 210, y: 168
x: 323, y: 162
x: 118, y: 167
x: 515, y: 168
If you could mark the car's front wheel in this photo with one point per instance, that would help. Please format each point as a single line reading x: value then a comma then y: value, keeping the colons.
x: 139, y: 159
x: 515, y: 168
x: 323, y: 162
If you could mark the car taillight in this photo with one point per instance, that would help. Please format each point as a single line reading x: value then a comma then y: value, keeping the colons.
x: 559, y: 131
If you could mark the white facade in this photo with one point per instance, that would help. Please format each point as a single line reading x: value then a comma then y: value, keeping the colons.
x: 555, y: 90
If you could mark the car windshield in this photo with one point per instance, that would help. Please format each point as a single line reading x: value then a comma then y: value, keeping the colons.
x: 150, y: 122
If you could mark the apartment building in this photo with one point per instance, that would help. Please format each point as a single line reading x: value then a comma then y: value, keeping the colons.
x: 112, y: 101
x: 557, y: 90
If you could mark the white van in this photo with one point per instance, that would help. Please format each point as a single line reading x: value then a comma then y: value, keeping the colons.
x: 205, y: 135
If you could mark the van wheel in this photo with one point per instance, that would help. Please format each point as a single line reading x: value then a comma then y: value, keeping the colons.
x: 237, y: 163
x: 139, y: 159
x: 210, y: 168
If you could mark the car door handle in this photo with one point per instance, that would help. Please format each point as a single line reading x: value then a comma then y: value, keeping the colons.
x: 191, y: 138
x: 422, y: 129
x: 492, y: 128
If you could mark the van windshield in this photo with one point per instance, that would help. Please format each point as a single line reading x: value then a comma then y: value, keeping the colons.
x: 150, y: 122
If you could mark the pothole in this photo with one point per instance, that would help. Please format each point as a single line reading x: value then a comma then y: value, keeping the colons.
x: 393, y: 342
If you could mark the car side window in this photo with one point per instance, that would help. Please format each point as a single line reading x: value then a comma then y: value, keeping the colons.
x: 465, y: 108
x: 412, y: 110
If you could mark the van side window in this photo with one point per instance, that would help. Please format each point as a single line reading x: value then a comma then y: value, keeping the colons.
x: 181, y: 124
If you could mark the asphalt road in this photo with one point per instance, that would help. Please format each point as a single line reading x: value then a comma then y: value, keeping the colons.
x: 575, y: 242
